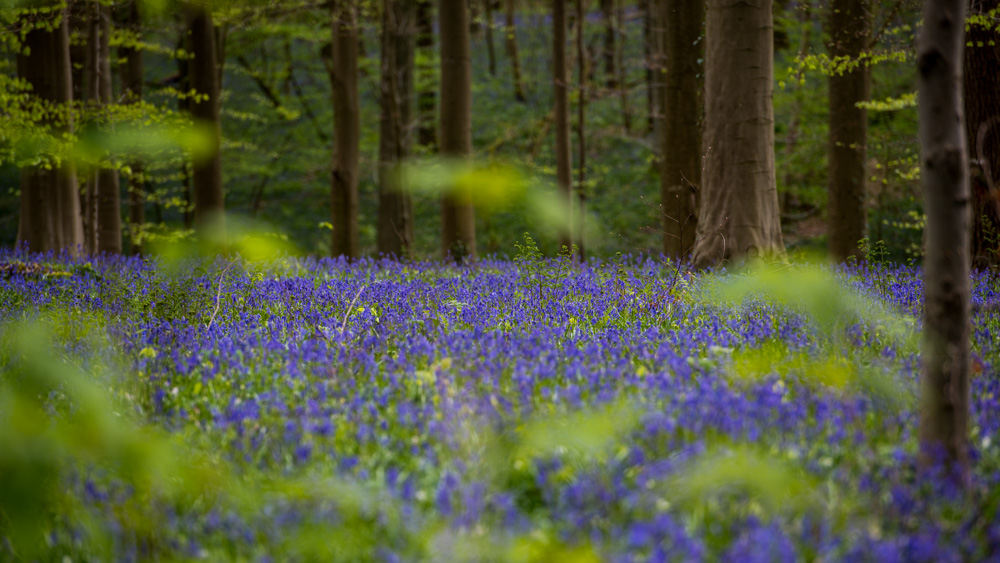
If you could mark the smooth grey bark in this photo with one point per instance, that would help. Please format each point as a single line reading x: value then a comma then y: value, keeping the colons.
x: 206, y: 177
x: 680, y: 173
x: 849, y: 24
x: 458, y: 222
x: 395, y: 211
x: 944, y: 413
x: 346, y: 129
x: 738, y: 215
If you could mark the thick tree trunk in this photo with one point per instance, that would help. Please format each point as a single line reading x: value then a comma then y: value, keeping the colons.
x: 50, y: 202
x: 982, y: 126
x: 395, y: 212
x: 849, y: 23
x: 738, y: 215
x: 131, y: 77
x: 346, y: 129
x: 457, y: 215
x: 610, y: 51
x: 208, y: 195
x: 560, y: 82
x: 515, y: 62
x: 944, y: 420
x: 109, y: 218
x: 426, y: 95
x: 680, y: 175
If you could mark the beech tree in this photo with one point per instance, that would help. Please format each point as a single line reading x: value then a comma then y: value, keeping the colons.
x: 458, y: 220
x: 424, y: 68
x: 738, y: 214
x: 515, y: 63
x: 680, y: 173
x: 346, y: 129
x: 109, y: 220
x: 203, y: 73
x: 944, y: 420
x: 395, y: 207
x: 560, y: 83
x: 131, y: 79
x: 849, y: 26
x: 50, y: 217
x: 982, y: 130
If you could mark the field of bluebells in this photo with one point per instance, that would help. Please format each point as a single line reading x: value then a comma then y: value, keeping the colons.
x: 526, y: 410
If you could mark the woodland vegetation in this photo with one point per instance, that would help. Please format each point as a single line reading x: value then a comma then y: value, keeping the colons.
x: 516, y: 281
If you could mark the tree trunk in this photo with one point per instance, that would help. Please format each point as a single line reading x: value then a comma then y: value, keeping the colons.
x: 395, y: 211
x: 208, y: 195
x: 426, y: 96
x: 92, y: 74
x: 346, y: 129
x: 738, y: 215
x: 560, y: 80
x: 944, y: 416
x: 490, y: 51
x: 457, y: 214
x: 581, y: 129
x: 610, y: 51
x: 131, y: 77
x: 622, y: 71
x: 680, y: 175
x: 982, y: 126
x: 515, y: 62
x: 849, y: 24
x: 50, y: 202
x: 109, y: 214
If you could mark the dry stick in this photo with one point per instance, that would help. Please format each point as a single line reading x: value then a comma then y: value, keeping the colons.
x: 350, y: 308
x: 218, y: 296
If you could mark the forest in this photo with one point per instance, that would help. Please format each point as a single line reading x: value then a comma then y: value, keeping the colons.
x: 500, y: 280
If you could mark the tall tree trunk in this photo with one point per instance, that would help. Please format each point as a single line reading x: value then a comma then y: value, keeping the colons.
x: 944, y: 415
x: 610, y: 51
x: 131, y: 77
x: 109, y: 218
x: 653, y: 51
x: 849, y: 23
x: 560, y: 82
x: 738, y: 215
x: 622, y: 71
x: 425, y: 70
x: 92, y: 74
x: 490, y: 51
x: 982, y: 126
x: 209, y: 202
x: 515, y: 62
x: 395, y: 211
x: 346, y: 129
x: 581, y: 128
x: 680, y: 154
x: 457, y: 215
x: 50, y: 202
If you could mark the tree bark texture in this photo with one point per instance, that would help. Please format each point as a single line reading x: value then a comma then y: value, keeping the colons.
x: 738, y: 215
x: 944, y: 415
x: 515, y: 62
x: 50, y: 216
x: 395, y: 211
x: 109, y: 214
x: 457, y: 215
x: 346, y: 130
x: 560, y: 82
x: 849, y: 24
x: 426, y: 92
x: 680, y: 174
x: 131, y: 78
x: 982, y: 126
x: 206, y: 177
